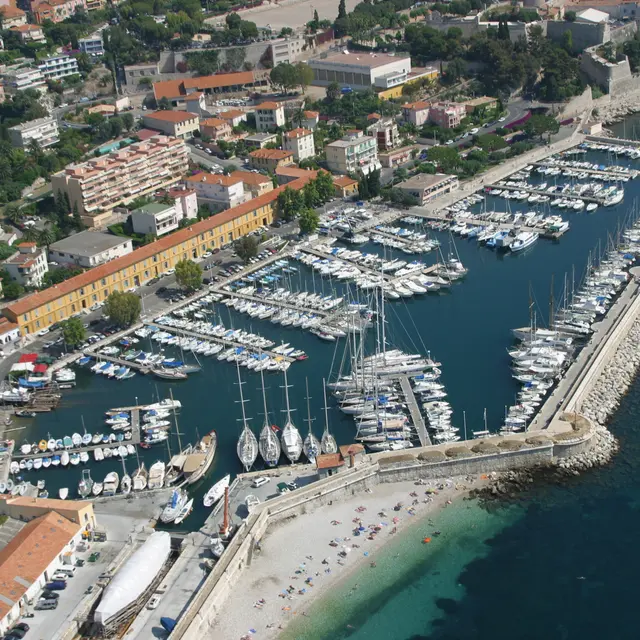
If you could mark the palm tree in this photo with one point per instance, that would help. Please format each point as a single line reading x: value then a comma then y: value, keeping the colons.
x: 31, y: 235
x: 46, y: 237
x: 13, y: 214
x: 35, y: 150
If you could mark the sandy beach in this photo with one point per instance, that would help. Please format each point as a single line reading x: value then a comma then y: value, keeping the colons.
x: 300, y: 560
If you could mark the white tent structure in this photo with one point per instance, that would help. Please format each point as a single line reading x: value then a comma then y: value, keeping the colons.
x: 135, y: 576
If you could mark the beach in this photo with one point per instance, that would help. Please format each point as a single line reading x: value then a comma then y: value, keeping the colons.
x: 302, y: 559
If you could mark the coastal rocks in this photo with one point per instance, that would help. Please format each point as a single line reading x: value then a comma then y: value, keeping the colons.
x: 619, y: 108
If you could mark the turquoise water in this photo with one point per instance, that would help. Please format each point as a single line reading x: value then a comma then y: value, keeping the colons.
x: 468, y: 329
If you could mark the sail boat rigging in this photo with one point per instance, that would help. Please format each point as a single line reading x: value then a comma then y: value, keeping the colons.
x: 269, y: 445
x: 291, y: 439
x: 328, y: 443
x: 247, y: 447
x: 311, y: 446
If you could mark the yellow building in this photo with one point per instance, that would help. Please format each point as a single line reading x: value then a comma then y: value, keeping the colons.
x: 22, y: 508
x: 39, y: 310
x: 270, y: 159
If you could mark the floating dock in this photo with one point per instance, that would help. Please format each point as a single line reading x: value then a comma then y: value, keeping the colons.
x: 414, y: 410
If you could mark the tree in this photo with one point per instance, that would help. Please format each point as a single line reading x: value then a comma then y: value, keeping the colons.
x: 6, y: 250
x: 305, y: 75
x: 11, y: 289
x: 324, y: 186
x: 567, y: 41
x: 290, y: 203
x: 539, y: 125
x: 46, y: 237
x: 373, y: 183
x: 309, y: 220
x: 123, y: 308
x: 316, y: 19
x: 246, y: 247
x: 363, y: 188
x: 333, y: 91
x: 342, y: 9
x: 285, y: 75
x: 570, y: 16
x: 189, y: 274
x: 73, y: 332
x: 13, y: 214
x: 127, y: 121
x: 311, y: 196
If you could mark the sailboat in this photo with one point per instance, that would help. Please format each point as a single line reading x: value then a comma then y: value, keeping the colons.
x: 216, y: 492
x: 311, y: 446
x: 291, y: 439
x: 86, y: 484
x: 247, y: 447
x: 184, y: 512
x: 125, y: 483
x: 328, y: 443
x: 269, y: 444
x: 177, y: 501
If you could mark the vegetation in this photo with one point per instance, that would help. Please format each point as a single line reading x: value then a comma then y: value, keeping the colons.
x: 246, y: 247
x: 123, y: 308
x: 288, y: 76
x: 73, y: 332
x: 290, y: 203
x: 538, y: 125
x: 315, y: 193
x: 56, y: 276
x: 308, y: 220
x: 369, y: 186
x: 6, y: 250
x: 189, y: 275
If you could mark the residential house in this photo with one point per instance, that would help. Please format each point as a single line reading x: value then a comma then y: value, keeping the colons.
x: 260, y: 140
x: 179, y: 124
x: 12, y: 17
x: 9, y: 331
x: 234, y: 117
x: 92, y: 45
x: 483, y: 103
x: 89, y: 249
x: 256, y: 184
x: 416, y: 113
x: 425, y: 187
x: 155, y: 218
x: 300, y: 142
x: 269, y: 116
x: 44, y: 131
x: 310, y: 120
x: 354, y: 152
x: 57, y: 67
x: 56, y: 10
x: 386, y: 133
x: 396, y: 157
x: 345, y: 186
x: 185, y: 201
x: 447, y: 114
x: 29, y: 33
x: 218, y: 192
x: 28, y: 266
x: 216, y: 129
x: 270, y: 159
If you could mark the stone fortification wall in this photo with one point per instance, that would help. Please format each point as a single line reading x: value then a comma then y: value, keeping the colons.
x: 615, y: 78
x: 583, y: 35
x: 624, y: 32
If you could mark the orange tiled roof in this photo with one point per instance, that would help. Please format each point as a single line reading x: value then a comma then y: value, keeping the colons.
x: 329, y: 460
x: 169, y: 89
x: 194, y: 96
x: 6, y: 326
x: 311, y: 114
x: 12, y: 12
x: 271, y: 154
x: 344, y: 181
x: 29, y: 553
x: 219, y: 80
x: 25, y: 28
x: 27, y: 244
x: 172, y: 116
x: 36, y: 300
x: 250, y: 178
x: 298, y: 133
x: 214, y: 122
x: 416, y: 106
x: 232, y: 114
x: 209, y: 178
x: 269, y: 106
x: 296, y: 172
x: 374, y: 116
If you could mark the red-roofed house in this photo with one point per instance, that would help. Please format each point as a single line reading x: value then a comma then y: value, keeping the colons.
x: 185, y: 201
x: 29, y: 33
x: 217, y: 192
x: 177, y: 90
x: 270, y: 159
x: 254, y: 183
x: 300, y: 143
x: 269, y: 115
x: 56, y: 10
x: 30, y: 559
x: 345, y: 186
x: 234, y: 116
x: 9, y: 331
x: 215, y: 128
x: 12, y: 17
x: 179, y: 124
x: 416, y: 113
x: 311, y: 119
x: 28, y: 266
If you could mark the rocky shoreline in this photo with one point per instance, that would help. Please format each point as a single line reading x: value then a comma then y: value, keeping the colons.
x: 620, y: 108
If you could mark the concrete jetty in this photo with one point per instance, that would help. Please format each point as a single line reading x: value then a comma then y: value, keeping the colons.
x: 414, y: 410
x: 542, y: 192
x: 614, y: 173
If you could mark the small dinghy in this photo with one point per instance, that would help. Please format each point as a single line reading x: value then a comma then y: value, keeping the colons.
x: 63, y: 493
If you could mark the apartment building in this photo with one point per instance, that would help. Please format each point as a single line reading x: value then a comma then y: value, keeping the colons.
x: 234, y: 117
x: 29, y: 33
x: 39, y: 310
x: 55, y: 10
x: 300, y: 142
x: 12, y: 17
x: 424, y: 187
x: 28, y: 266
x: 286, y: 51
x: 417, y: 113
x: 92, y: 45
x: 217, y: 192
x: 58, y: 67
x: 260, y: 140
x: 255, y: 184
x: 185, y: 201
x: 353, y: 153
x: 269, y: 115
x: 385, y: 131
x: 44, y: 131
x: 23, y: 78
x: 155, y: 218
x: 89, y: 249
x: 270, y: 159
x: 100, y: 184
x: 179, y: 124
x: 447, y: 114
x: 216, y: 129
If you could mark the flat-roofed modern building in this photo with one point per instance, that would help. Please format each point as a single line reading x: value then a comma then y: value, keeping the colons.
x: 99, y: 185
x: 424, y: 187
x: 44, y: 131
x: 89, y: 249
x: 354, y: 153
x: 58, y: 67
x: 361, y: 70
x: 155, y: 218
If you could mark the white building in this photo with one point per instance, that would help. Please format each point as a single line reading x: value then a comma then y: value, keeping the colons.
x: 155, y: 218
x: 269, y: 115
x: 424, y: 187
x: 44, y: 131
x: 216, y: 191
x: 300, y: 142
x: 354, y: 153
x: 58, y: 67
x: 28, y: 266
x: 185, y: 201
x: 361, y: 70
x: 92, y: 45
x: 286, y: 50
x: 20, y: 79
x: 89, y: 249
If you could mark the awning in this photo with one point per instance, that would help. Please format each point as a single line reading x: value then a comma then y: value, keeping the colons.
x: 28, y: 357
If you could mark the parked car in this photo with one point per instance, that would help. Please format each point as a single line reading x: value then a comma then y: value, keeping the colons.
x: 56, y: 585
x: 94, y: 557
x: 43, y: 605
x: 49, y: 595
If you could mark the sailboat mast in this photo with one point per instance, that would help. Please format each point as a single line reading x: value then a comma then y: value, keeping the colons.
x: 244, y: 416
x: 264, y: 399
x: 551, y: 312
x: 175, y: 419
x: 306, y: 382
x: 286, y: 396
x: 326, y: 409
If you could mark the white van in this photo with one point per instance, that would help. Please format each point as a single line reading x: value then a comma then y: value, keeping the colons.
x: 258, y: 482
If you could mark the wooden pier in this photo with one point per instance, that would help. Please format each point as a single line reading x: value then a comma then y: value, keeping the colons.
x: 614, y: 173
x: 135, y: 440
x: 224, y: 342
x: 414, y: 410
x: 132, y: 364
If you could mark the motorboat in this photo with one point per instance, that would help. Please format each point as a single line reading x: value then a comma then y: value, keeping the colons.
x: 139, y: 479
x: 96, y: 489
x: 63, y: 493
x: 156, y: 475
x: 85, y: 485
x: 175, y: 505
x: 110, y: 484
x: 184, y: 512
x: 523, y: 240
